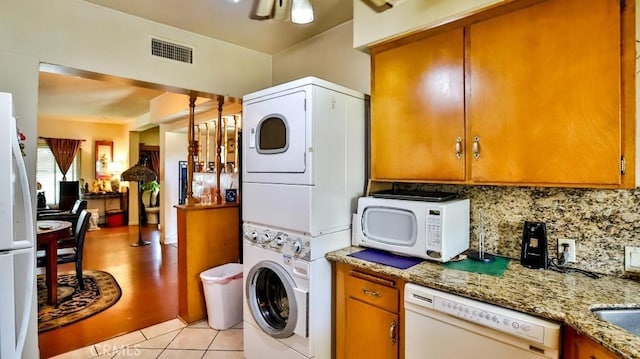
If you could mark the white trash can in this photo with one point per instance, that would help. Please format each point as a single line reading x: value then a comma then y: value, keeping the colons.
x: 223, y: 295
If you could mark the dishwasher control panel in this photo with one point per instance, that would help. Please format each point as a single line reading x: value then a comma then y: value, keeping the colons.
x: 424, y: 300
x: 490, y: 318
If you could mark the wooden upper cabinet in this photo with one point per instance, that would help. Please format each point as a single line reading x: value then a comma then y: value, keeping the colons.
x: 544, y: 99
x: 417, y: 110
x: 543, y: 94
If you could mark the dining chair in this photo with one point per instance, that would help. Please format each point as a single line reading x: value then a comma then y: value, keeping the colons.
x: 73, y: 254
x: 70, y: 216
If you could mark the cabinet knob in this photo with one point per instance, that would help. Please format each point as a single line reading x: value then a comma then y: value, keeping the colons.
x: 476, y: 147
x: 458, y: 147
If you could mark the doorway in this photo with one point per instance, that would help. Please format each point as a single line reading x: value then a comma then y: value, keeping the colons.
x: 148, y: 277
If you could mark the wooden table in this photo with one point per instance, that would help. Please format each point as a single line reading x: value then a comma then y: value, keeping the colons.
x: 49, y: 232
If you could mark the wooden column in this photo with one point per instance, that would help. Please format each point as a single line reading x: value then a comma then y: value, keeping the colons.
x: 218, y: 198
x: 192, y: 151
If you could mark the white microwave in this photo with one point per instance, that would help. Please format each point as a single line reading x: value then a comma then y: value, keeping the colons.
x: 436, y: 231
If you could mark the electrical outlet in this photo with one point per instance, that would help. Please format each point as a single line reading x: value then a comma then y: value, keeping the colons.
x: 572, y: 249
x: 632, y: 259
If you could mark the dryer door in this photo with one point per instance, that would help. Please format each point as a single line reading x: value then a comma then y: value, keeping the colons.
x: 275, y: 134
x: 277, y: 306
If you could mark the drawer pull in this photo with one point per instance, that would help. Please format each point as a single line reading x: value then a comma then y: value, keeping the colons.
x: 371, y: 293
x: 392, y: 333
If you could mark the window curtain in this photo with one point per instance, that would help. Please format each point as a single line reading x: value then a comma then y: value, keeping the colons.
x: 150, y: 158
x: 64, y: 151
x: 154, y: 162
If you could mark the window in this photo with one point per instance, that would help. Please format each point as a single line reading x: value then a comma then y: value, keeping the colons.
x: 48, y: 174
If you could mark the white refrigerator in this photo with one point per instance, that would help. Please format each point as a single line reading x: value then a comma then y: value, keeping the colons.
x: 17, y: 262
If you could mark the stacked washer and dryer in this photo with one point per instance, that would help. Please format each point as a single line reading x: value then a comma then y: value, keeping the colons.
x: 303, y: 170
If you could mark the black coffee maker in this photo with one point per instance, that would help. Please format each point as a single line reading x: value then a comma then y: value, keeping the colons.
x: 534, y: 245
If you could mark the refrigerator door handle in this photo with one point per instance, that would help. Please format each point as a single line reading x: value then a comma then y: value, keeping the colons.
x: 26, y: 194
x: 30, y: 237
x: 23, y: 324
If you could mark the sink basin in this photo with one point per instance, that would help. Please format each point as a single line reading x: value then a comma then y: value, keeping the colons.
x: 625, y: 318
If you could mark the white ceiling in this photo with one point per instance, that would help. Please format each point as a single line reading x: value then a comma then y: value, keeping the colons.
x: 76, y: 98
x: 66, y: 97
x: 231, y: 22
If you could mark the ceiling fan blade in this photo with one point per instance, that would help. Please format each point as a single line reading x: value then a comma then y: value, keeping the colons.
x: 264, y: 8
x: 378, y: 5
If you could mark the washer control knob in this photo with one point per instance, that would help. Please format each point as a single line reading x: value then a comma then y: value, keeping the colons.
x: 266, y: 237
x: 296, y: 246
x: 280, y: 239
x: 254, y: 236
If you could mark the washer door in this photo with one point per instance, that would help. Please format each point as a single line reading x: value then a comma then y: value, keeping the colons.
x: 271, y: 299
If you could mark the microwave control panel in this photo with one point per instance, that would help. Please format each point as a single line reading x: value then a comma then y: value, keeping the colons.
x: 434, y: 229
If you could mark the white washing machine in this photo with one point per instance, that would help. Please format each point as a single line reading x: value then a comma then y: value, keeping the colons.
x: 287, y: 293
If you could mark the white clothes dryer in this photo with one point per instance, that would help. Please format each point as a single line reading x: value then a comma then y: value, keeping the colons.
x: 287, y: 293
x: 303, y: 156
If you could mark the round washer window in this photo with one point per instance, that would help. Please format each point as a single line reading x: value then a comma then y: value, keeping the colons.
x: 271, y: 299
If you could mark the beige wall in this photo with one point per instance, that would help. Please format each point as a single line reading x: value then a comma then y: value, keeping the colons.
x: 150, y: 137
x: 90, y: 132
x: 329, y: 56
x: 81, y: 35
x: 176, y: 145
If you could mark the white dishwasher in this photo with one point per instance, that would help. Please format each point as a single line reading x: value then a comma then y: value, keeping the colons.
x: 440, y: 325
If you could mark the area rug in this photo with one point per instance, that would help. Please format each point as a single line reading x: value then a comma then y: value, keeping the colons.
x: 100, y: 292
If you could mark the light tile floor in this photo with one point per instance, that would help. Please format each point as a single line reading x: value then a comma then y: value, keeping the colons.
x: 168, y: 340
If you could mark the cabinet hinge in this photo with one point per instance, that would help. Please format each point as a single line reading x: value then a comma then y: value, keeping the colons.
x: 623, y: 165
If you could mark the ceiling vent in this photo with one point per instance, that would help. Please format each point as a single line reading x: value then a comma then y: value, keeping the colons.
x: 171, y: 51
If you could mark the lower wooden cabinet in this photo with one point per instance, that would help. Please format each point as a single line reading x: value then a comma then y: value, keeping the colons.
x: 368, y: 313
x: 579, y: 346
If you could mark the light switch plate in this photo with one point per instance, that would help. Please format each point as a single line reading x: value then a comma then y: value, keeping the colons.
x: 632, y: 259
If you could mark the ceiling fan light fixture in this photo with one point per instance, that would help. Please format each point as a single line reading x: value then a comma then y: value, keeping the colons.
x: 301, y: 12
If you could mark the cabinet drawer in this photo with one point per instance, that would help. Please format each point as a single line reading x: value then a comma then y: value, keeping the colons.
x: 368, y: 288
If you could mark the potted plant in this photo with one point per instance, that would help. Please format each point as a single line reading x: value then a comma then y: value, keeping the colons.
x: 153, y: 187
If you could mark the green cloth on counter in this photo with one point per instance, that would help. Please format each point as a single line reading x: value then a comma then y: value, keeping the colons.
x: 495, y: 268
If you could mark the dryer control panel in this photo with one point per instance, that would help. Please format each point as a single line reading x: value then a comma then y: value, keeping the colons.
x: 290, y: 244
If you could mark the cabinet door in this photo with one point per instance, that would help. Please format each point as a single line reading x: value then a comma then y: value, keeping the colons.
x: 418, y: 109
x: 370, y: 332
x: 544, y: 100
x: 579, y: 346
x: 588, y: 349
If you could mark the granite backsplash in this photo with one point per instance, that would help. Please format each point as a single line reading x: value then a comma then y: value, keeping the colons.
x: 602, y: 221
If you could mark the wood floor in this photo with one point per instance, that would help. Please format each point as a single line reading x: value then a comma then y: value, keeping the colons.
x: 147, y: 275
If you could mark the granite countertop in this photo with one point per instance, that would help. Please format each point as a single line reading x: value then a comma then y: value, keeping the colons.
x: 565, y: 298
